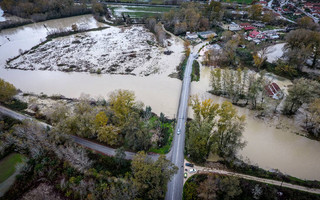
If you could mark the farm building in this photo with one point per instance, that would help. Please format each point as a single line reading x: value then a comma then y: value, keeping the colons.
x: 273, y: 90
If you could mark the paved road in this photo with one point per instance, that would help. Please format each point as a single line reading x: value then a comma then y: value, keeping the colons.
x: 262, y: 180
x: 83, y: 142
x: 175, y: 186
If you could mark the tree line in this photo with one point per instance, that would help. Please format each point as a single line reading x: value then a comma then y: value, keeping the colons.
x: 43, y: 10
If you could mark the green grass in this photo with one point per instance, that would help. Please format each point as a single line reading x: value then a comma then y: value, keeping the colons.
x: 141, y: 11
x: 239, y: 1
x: 7, y: 165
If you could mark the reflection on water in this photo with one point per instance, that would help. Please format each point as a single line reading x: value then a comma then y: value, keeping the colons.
x: 269, y: 147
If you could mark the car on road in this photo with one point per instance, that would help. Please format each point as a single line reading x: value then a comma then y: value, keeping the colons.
x: 189, y: 165
x: 193, y: 170
x: 178, y: 131
x: 185, y: 175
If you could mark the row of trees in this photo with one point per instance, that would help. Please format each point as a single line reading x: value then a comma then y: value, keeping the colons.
x: 242, y: 85
x: 42, y: 10
x: 216, y: 129
x: 157, y: 29
x: 119, y: 122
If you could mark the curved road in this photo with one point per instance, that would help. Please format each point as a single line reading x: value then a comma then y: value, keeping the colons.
x: 83, y: 142
x: 175, y: 186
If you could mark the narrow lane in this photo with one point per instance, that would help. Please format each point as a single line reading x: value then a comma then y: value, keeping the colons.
x: 201, y: 170
x: 81, y: 141
x: 175, y: 186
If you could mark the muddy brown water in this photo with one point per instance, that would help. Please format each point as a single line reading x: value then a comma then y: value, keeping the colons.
x: 267, y: 146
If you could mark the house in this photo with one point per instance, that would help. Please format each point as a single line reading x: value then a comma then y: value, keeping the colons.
x: 249, y: 28
x: 234, y: 27
x: 259, y: 25
x: 244, y: 25
x: 206, y: 34
x: 191, y: 36
x: 263, y: 3
x: 273, y: 90
x: 254, y: 34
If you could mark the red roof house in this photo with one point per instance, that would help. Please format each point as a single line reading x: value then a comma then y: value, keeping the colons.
x: 273, y: 90
x: 249, y: 28
x: 254, y: 34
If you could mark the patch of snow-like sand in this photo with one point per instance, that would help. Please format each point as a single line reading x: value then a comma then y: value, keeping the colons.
x: 276, y: 51
x: 113, y: 50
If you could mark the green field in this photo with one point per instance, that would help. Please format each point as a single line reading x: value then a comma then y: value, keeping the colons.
x: 138, y: 11
x: 239, y: 1
x: 7, y: 165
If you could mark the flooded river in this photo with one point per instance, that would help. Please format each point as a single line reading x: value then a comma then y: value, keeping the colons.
x: 267, y: 146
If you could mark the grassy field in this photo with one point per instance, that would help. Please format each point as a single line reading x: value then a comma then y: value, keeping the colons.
x: 239, y: 1
x: 138, y: 11
x: 7, y: 165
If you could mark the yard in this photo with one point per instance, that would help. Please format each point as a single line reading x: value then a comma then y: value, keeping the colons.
x: 7, y: 165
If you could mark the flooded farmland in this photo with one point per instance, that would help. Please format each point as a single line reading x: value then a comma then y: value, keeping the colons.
x: 267, y: 146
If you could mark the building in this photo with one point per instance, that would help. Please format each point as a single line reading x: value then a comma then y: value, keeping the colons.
x: 191, y: 36
x: 244, y: 25
x: 273, y: 90
x: 206, y: 34
x: 263, y: 3
x: 254, y: 34
x: 234, y: 27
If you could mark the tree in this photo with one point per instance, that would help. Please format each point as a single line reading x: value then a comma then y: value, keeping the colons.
x: 313, y: 120
x: 208, y: 189
x: 122, y: 103
x: 229, y: 187
x: 307, y: 23
x: 120, y: 156
x: 302, y: 91
x: 284, y: 69
x: 227, y: 139
x: 137, y: 133
x: 7, y: 91
x: 151, y: 177
x: 108, y: 134
x: 101, y: 119
x: 255, y: 11
x: 215, y: 81
x: 214, y: 129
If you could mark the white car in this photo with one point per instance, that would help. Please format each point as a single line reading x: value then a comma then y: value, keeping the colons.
x: 178, y: 131
x: 193, y: 170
